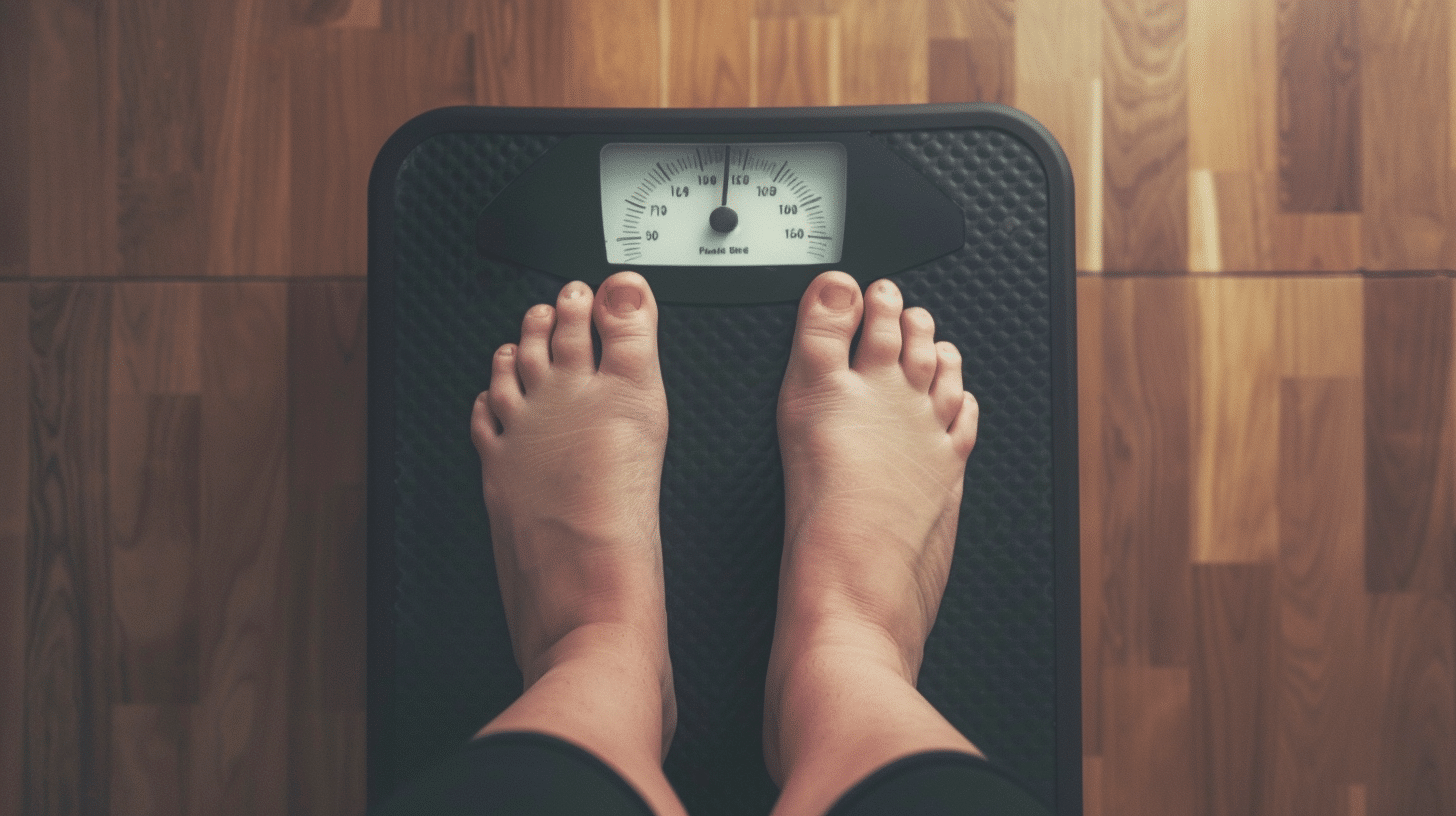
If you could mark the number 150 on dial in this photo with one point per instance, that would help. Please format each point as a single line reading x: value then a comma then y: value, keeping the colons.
x: 723, y: 205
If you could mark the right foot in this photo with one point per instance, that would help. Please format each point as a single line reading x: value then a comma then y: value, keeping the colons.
x: 874, y: 454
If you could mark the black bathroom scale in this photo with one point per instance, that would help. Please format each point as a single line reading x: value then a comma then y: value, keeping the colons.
x: 476, y: 214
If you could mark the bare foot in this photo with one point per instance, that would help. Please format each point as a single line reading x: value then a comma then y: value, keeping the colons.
x: 571, y: 457
x: 874, y: 457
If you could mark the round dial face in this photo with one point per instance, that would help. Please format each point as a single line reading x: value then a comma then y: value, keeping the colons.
x: 723, y: 205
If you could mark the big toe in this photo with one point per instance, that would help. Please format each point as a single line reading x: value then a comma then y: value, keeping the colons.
x: 626, y: 319
x: 829, y: 314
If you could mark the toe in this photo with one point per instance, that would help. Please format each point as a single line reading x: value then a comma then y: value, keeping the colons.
x: 879, y: 340
x: 504, y: 397
x: 946, y: 390
x: 963, y: 429
x: 918, y: 356
x: 626, y: 319
x: 484, y: 427
x: 571, y: 342
x: 533, y: 359
x: 828, y: 316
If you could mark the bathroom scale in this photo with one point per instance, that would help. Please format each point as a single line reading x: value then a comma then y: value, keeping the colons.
x: 476, y: 214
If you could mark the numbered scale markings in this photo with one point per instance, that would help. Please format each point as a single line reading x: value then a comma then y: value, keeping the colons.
x: 723, y: 205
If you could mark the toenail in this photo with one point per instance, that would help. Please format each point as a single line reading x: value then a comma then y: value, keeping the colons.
x: 837, y: 296
x: 573, y: 292
x: 624, y: 300
x: 540, y: 310
x: 506, y: 351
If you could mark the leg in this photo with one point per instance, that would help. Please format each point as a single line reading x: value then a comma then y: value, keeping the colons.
x: 874, y: 458
x: 571, y: 460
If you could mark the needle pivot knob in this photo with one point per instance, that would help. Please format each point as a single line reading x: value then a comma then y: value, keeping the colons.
x: 723, y: 219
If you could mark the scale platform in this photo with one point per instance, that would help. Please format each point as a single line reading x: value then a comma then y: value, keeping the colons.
x: 476, y: 214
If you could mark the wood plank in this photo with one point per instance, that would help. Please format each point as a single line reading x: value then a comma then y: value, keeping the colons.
x: 238, y: 757
x: 352, y: 88
x: 600, y: 72
x: 796, y: 61
x: 972, y: 51
x: 1408, y: 467
x: 708, y: 61
x: 1321, y: 328
x: 1146, y: 448
x: 885, y: 55
x: 246, y: 102
x: 1405, y: 69
x: 1318, y: 242
x: 1319, y: 106
x: 520, y: 55
x: 339, y: 13
x: 1145, y: 111
x: 1091, y: 385
x: 519, y: 48
x: 324, y: 566
x: 154, y: 510
x: 72, y: 140
x: 1325, y: 711
x: 1413, y: 655
x: 67, y: 678
x: 1148, y: 768
x: 149, y: 745
x: 1235, y: 420
x: 161, y: 154
x: 1058, y: 81
x: 1231, y: 673
x: 14, y: 515
x: 1232, y: 74
x: 155, y: 331
x: 15, y: 38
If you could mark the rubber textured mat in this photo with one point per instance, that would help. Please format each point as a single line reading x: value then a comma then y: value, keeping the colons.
x: 1002, y: 662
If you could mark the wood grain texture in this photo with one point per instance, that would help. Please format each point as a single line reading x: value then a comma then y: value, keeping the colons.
x: 1231, y: 86
x: 1235, y: 420
x: 1148, y: 768
x: 67, y: 672
x: 72, y: 210
x: 1319, y: 106
x: 324, y: 562
x: 797, y: 61
x: 15, y: 38
x: 1408, y: 466
x: 1321, y: 329
x: 600, y: 72
x: 1145, y: 473
x: 1145, y: 110
x: 972, y: 51
x: 708, y: 63
x: 885, y: 59
x: 1232, y: 668
x: 520, y: 55
x: 352, y: 88
x: 245, y: 72
x: 14, y: 505
x: 161, y: 156
x: 1414, y: 656
x: 149, y: 745
x: 1404, y: 65
x: 1324, y: 706
x: 238, y: 754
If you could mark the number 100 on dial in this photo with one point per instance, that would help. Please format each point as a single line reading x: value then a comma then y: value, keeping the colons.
x: 723, y: 205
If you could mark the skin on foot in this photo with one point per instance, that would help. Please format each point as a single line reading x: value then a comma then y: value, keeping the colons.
x: 874, y: 453
x: 571, y: 456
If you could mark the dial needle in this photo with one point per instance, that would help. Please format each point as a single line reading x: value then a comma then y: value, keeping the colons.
x: 725, y: 175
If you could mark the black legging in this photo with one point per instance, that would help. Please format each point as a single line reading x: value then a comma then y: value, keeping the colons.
x: 526, y: 773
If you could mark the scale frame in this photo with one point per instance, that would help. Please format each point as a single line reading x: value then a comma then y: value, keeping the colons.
x: 387, y: 412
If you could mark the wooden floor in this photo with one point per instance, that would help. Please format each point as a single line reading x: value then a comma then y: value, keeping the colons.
x: 1267, y: 459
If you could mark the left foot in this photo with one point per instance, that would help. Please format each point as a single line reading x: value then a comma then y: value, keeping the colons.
x: 571, y: 456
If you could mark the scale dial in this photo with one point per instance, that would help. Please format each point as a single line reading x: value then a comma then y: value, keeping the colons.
x: 723, y: 205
